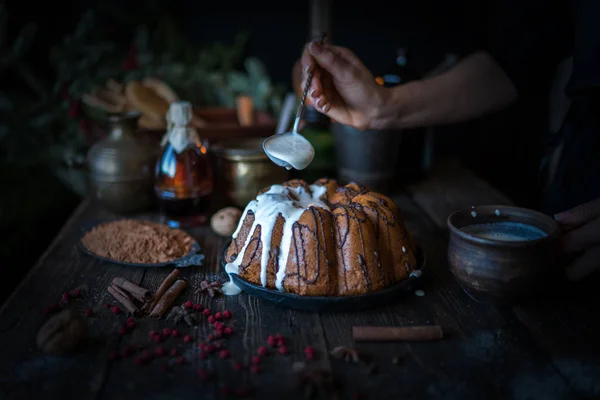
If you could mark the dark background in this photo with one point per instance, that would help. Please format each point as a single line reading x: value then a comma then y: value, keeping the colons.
x: 503, y: 148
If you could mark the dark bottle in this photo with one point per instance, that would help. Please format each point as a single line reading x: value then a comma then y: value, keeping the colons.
x: 184, y: 176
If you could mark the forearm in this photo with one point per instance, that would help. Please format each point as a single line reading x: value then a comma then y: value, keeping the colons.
x: 475, y: 86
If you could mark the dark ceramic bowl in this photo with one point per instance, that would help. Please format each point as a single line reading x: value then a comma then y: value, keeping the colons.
x: 501, y: 254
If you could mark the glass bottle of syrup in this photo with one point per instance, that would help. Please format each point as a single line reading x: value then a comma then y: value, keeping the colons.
x: 184, y: 176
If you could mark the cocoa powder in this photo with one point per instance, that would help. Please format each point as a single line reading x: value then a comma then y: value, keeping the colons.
x: 139, y: 242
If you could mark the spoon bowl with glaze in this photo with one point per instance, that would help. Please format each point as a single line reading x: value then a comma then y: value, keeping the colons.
x: 291, y: 149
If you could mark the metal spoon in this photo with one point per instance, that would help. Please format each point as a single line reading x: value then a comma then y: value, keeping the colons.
x: 291, y: 149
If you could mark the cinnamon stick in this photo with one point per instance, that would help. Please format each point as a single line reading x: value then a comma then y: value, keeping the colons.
x: 122, y: 298
x: 136, y: 291
x: 396, y: 333
x: 167, y: 300
x: 164, y: 286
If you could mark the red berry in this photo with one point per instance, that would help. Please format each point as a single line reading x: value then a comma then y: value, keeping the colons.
x: 89, y: 312
x: 211, y: 319
x: 228, y: 331
x: 166, y: 332
x: 202, y: 355
x: 160, y: 351
x: 256, y: 360
x: 219, y: 334
x: 113, y: 355
x: 152, y: 333
x: 223, y: 354
x: 255, y: 369
x: 122, y: 330
x: 219, y: 345
x: 174, y: 333
x: 76, y: 292
x: 238, y: 366
x: 188, y: 304
x: 180, y: 360
x: 115, y: 310
x: 280, y: 343
x: 203, y: 374
x: 227, y: 314
x: 211, y: 337
x: 187, y: 338
x: 201, y: 346
x: 173, y: 353
x: 146, y: 355
x: 130, y: 319
x: 209, y: 348
x: 262, y: 351
x: 65, y: 296
x: 107, y: 305
x: 271, y: 341
x: 130, y: 324
x: 219, y: 325
x: 283, y: 350
x: 218, y: 316
x: 138, y: 361
x: 157, y: 338
x: 206, y: 312
x: 310, y: 352
x: 198, y: 307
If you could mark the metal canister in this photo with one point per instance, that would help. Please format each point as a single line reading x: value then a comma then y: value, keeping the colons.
x: 243, y: 169
x: 121, y: 167
x: 369, y: 158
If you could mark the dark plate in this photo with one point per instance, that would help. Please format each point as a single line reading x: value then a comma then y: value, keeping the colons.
x: 329, y: 303
x: 192, y: 258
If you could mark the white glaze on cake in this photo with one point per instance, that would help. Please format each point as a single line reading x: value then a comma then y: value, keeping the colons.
x: 290, y: 203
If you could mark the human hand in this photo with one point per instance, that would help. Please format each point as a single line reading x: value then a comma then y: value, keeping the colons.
x: 342, y: 87
x: 582, y: 227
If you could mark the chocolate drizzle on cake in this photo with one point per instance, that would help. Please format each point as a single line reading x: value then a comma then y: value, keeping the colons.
x: 320, y: 239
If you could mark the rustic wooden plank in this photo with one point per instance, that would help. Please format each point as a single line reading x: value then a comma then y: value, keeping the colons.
x: 252, y: 322
x: 26, y: 372
x: 485, y: 354
x: 450, y: 187
x: 566, y: 326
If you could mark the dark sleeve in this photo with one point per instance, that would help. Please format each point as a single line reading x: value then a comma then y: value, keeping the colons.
x: 528, y: 38
x: 585, y: 79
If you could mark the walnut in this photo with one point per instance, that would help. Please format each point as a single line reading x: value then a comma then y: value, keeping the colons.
x: 225, y: 221
x: 62, y: 333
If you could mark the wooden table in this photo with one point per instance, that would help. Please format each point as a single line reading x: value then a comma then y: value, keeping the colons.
x: 548, y: 349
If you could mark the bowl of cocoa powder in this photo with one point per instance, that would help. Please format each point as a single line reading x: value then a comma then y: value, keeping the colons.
x: 140, y: 243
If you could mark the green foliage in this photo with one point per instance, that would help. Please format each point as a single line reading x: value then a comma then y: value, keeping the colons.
x: 38, y: 124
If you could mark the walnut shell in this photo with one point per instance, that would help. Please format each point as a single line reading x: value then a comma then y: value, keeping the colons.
x: 62, y: 333
x: 225, y: 221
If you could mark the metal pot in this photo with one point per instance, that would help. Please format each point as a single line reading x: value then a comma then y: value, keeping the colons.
x: 368, y: 158
x: 121, y: 167
x: 243, y: 169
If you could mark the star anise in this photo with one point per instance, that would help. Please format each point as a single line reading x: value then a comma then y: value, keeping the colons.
x: 317, y: 383
x: 346, y: 353
x: 212, y: 288
x: 179, y: 313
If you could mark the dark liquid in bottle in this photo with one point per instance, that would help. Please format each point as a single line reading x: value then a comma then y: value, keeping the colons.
x: 184, y: 185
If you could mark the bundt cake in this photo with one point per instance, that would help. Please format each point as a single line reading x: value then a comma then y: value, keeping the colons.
x: 320, y: 240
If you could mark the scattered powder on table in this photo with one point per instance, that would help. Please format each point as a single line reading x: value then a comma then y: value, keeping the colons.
x: 139, y: 242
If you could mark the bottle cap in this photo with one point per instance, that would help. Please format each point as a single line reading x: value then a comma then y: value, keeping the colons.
x: 180, y: 113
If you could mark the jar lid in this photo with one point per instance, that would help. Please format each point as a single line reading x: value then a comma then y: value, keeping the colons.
x: 240, y: 149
